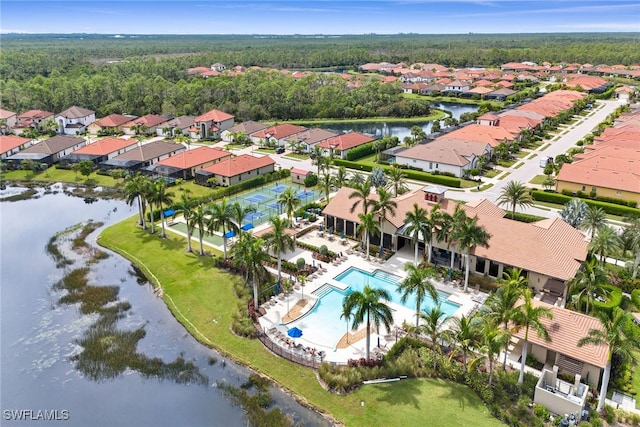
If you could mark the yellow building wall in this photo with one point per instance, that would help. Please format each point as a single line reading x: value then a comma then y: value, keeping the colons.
x: 600, y: 191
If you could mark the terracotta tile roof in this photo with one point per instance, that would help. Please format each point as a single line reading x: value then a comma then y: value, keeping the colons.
x: 54, y: 144
x: 150, y: 150
x: 5, y: 114
x: 481, y: 90
x: 586, y: 82
x: 75, y: 112
x: 9, y: 142
x: 492, y: 135
x: 214, y: 116
x: 300, y: 171
x: 149, y: 120
x: 197, y: 156
x: 346, y: 141
x: 181, y: 122
x: 35, y: 114
x: 445, y: 150
x: 106, y: 146
x: 311, y: 136
x: 247, y: 127
x: 279, y: 131
x: 566, y: 329
x: 112, y: 121
x: 237, y: 165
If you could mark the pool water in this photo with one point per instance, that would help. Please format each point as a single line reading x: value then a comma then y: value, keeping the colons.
x: 357, y: 279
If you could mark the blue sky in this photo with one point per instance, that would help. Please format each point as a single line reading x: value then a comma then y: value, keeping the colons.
x: 318, y: 16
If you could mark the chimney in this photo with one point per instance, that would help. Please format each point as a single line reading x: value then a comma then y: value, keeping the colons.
x: 576, y: 385
x: 554, y: 376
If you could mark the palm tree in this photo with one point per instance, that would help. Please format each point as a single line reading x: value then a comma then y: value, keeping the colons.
x: 368, y: 226
x: 594, y: 218
x: 515, y: 194
x: 366, y: 307
x: 134, y: 191
x: 470, y: 235
x: 631, y: 236
x: 163, y: 198
x: 617, y: 333
x: 279, y: 241
x: 397, y: 179
x: 529, y: 316
x: 239, y: 213
x: 605, y: 242
x: 447, y: 226
x: 416, y: 226
x: 346, y: 314
x: 491, y: 340
x: 432, y: 224
x: 221, y: 219
x: 326, y: 181
x: 383, y: 206
x: 433, y: 321
x: 151, y: 194
x: 186, y: 206
x: 464, y: 334
x: 249, y: 254
x: 361, y: 193
x: 318, y: 159
x: 418, y: 282
x: 199, y: 220
x: 289, y: 201
x: 341, y: 177
x: 587, y: 285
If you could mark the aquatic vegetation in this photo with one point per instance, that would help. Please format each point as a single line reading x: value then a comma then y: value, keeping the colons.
x: 25, y: 195
x: 80, y: 240
x: 53, y: 250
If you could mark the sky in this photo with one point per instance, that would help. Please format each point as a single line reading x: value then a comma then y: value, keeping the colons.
x: 318, y: 16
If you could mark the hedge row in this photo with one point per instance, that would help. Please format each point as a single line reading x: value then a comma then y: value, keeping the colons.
x: 523, y: 217
x: 614, y: 300
x: 411, y: 174
x: 610, y: 208
x: 583, y: 195
x: 361, y: 151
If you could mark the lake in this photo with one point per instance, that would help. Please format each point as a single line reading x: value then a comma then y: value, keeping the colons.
x: 39, y: 336
x: 399, y: 129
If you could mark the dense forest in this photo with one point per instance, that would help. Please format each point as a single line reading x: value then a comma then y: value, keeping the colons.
x: 147, y: 74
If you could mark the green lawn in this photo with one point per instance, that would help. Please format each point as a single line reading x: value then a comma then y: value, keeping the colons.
x: 507, y: 163
x: 635, y: 379
x: 297, y: 156
x: 60, y: 175
x: 491, y: 173
x: 538, y: 179
x: 519, y: 165
x: 201, y: 298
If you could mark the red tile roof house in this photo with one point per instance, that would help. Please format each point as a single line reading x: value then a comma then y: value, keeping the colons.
x: 299, y: 175
x: 11, y: 144
x: 309, y: 138
x: 184, y: 123
x: 101, y: 150
x: 143, y: 155
x: 339, y: 146
x: 185, y: 165
x: 210, y: 124
x: 48, y: 151
x: 248, y: 127
x: 112, y: 123
x: 151, y: 121
x: 9, y: 120
x: 31, y: 119
x: 235, y: 170
x: 74, y: 120
x: 276, y: 134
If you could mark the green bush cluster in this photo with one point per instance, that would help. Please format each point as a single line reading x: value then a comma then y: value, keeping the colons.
x: 610, y: 208
x: 361, y: 151
x: 614, y: 300
x: 316, y: 249
x: 523, y: 217
x: 583, y: 195
x: 411, y: 174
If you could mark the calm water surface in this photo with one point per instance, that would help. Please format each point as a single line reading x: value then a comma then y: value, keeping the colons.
x: 39, y: 336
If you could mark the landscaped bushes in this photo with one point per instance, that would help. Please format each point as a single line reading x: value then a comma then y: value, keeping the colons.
x: 582, y: 195
x: 614, y: 300
x: 360, y: 151
x: 545, y: 196
x: 411, y: 174
x: 523, y: 217
x: 327, y: 257
x: 221, y: 192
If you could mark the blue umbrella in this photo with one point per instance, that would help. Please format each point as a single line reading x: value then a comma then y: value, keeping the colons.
x: 294, y: 332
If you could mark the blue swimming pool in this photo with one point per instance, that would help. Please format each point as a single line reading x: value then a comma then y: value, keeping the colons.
x: 357, y: 279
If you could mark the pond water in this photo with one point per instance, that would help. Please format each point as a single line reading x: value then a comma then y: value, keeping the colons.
x: 39, y: 337
x: 399, y: 129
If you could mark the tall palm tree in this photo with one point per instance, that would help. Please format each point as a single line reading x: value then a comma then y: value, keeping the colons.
x: 587, y: 285
x: 491, y: 340
x: 432, y: 224
x: 239, y: 213
x: 279, y: 241
x: 368, y: 226
x: 631, y: 235
x: 134, y: 190
x: 416, y: 227
x: 151, y: 194
x: 397, y: 179
x: 199, y: 220
x: 464, y: 334
x: 318, y: 159
x: 341, y: 177
x: 418, y: 282
x: 605, y: 242
x: 361, y: 192
x: 619, y: 336
x: 326, y: 181
x: 186, y: 206
x: 529, y: 316
x: 221, y: 219
x: 289, y: 201
x: 249, y: 254
x: 468, y: 236
x: 346, y: 314
x: 432, y: 322
x: 447, y: 227
x: 366, y: 307
x: 515, y: 194
x: 163, y: 198
x: 594, y: 218
x: 383, y: 206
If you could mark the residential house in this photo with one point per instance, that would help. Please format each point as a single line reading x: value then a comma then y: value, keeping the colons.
x: 339, y: 146
x: 12, y: 144
x: 218, y: 67
x: 110, y: 124
x: 248, y: 127
x: 299, y: 175
x: 456, y: 87
x: 8, y: 120
x: 500, y: 94
x: 210, y: 124
x: 149, y: 121
x: 101, y: 150
x: 184, y: 165
x: 235, y: 170
x: 74, y: 120
x: 309, y: 138
x: 142, y: 156
x: 49, y: 151
x: 30, y: 120
x: 276, y: 134
x: 184, y: 123
x: 623, y: 93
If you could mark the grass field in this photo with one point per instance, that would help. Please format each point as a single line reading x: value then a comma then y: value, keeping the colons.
x: 201, y: 298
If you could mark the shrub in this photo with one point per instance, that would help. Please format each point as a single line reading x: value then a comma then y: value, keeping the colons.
x: 615, y: 298
x: 523, y: 217
x: 610, y: 208
x: 323, y: 250
x: 411, y: 173
x: 360, y: 151
x: 541, y: 412
x: 300, y: 263
x: 311, y: 180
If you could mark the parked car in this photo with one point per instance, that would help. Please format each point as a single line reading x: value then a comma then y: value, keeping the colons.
x: 279, y: 150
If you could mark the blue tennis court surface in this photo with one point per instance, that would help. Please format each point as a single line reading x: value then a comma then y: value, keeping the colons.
x: 275, y: 206
x: 253, y: 215
x: 279, y: 188
x: 256, y: 198
x: 304, y: 194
